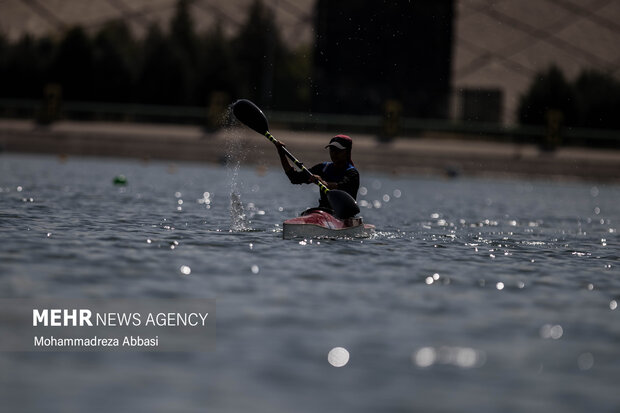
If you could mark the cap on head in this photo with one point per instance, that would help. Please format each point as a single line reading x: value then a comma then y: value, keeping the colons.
x: 341, y: 142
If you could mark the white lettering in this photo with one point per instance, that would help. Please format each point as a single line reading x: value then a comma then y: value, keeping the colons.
x: 70, y: 316
x: 61, y: 318
x: 39, y: 317
x: 131, y: 341
x: 118, y: 319
x: 85, y: 315
x: 176, y: 319
x: 95, y: 341
x: 55, y: 317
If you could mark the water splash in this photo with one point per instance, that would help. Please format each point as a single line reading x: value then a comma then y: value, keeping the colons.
x: 235, y: 155
x: 238, y: 219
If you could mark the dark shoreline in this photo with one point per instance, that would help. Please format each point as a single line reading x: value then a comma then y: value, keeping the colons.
x: 427, y: 155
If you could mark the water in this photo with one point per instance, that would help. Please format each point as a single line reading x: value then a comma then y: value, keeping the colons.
x: 475, y: 295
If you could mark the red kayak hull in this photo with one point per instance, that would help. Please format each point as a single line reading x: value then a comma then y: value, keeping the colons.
x: 321, y: 224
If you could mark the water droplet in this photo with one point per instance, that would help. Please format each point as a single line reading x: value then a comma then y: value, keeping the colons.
x: 425, y: 357
x: 463, y: 357
x: 499, y: 286
x: 386, y: 198
x: 363, y: 190
x: 613, y: 304
x: 185, y: 270
x: 255, y: 269
x: 177, y: 195
x: 19, y: 189
x: 397, y: 193
x: 585, y: 361
x: 594, y: 191
x: 551, y: 331
x: 338, y: 357
x: 466, y: 358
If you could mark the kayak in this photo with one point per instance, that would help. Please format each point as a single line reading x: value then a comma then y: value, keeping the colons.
x: 321, y: 224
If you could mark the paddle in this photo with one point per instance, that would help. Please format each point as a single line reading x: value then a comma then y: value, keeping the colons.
x: 248, y: 113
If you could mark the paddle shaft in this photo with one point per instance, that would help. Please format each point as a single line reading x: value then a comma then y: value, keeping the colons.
x: 297, y: 163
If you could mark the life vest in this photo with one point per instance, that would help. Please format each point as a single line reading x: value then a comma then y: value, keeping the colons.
x: 330, y: 174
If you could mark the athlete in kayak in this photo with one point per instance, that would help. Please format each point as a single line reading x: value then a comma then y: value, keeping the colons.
x: 339, y: 174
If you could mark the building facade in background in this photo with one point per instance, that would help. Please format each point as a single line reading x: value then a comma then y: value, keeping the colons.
x: 366, y: 56
x: 467, y: 59
x: 501, y: 45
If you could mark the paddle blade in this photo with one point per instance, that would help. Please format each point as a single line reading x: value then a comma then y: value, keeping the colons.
x: 342, y: 203
x: 250, y: 115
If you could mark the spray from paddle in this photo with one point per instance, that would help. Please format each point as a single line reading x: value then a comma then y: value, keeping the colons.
x: 235, y: 155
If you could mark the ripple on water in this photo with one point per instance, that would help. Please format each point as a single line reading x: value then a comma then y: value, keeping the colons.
x: 424, y: 289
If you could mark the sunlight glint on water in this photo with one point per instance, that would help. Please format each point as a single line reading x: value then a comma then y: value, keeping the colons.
x: 507, y: 289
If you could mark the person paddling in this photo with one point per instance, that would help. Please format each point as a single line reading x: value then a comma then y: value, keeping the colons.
x: 339, y: 174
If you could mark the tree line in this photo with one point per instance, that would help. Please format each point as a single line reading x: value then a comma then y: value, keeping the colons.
x: 177, y: 66
x: 592, y: 100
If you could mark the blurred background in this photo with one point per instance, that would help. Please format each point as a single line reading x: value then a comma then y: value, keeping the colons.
x: 537, y: 71
x: 476, y: 294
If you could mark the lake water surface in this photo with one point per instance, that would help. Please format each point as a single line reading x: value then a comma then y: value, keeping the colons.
x: 474, y: 295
